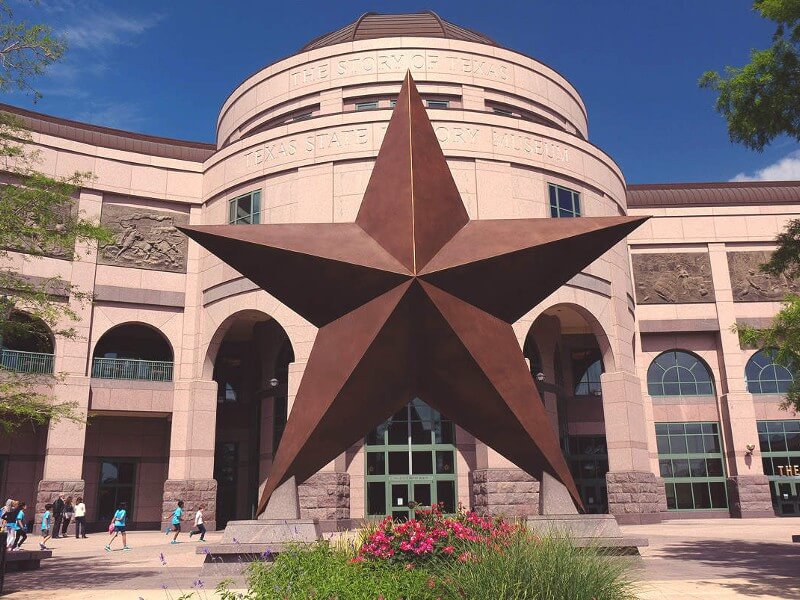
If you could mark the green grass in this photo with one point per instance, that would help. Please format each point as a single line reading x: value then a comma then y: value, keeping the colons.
x: 525, y: 569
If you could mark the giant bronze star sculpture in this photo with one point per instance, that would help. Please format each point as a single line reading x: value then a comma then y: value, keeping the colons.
x: 414, y: 299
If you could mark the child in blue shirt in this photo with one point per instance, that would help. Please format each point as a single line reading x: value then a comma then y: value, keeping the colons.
x: 177, y: 517
x: 119, y: 525
x: 19, y: 527
x: 46, y: 526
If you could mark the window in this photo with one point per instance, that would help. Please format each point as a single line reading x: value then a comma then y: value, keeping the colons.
x: 589, y: 383
x: 564, y: 202
x: 301, y: 116
x: 690, y: 461
x: 502, y: 111
x: 393, y: 102
x: 679, y: 373
x: 245, y: 210
x: 116, y: 485
x: 780, y: 455
x: 763, y: 376
x: 438, y: 103
x: 371, y: 105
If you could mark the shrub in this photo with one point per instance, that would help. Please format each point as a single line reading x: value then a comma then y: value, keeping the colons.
x: 321, y: 572
x: 527, y: 568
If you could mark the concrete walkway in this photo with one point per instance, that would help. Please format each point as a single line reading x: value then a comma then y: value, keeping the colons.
x: 688, y: 559
x: 720, y: 559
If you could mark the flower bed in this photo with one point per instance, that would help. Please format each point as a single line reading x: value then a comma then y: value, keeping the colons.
x: 434, y: 535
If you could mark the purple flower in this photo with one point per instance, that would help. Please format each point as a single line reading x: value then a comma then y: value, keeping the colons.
x: 206, y: 551
x: 198, y: 583
x: 164, y: 586
x: 266, y: 555
x: 235, y: 541
x: 162, y: 559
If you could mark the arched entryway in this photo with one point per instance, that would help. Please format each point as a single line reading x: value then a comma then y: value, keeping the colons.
x: 567, y: 355
x: 251, y: 371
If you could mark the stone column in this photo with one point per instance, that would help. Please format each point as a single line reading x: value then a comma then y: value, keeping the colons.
x: 635, y: 494
x: 63, y: 463
x: 748, y: 487
x: 191, y: 460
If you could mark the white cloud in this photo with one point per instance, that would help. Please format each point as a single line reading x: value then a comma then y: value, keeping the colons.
x: 102, y: 30
x: 786, y: 169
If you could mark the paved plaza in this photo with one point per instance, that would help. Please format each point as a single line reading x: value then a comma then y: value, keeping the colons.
x: 705, y: 558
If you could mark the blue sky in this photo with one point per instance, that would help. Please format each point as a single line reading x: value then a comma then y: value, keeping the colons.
x: 166, y: 67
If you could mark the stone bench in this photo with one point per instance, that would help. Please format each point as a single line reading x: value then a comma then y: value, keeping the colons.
x: 26, y: 560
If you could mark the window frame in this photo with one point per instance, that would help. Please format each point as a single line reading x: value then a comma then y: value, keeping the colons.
x: 556, y: 210
x: 436, y: 103
x: 759, y: 382
x: 701, y: 430
x: 680, y: 394
x: 254, y: 215
x: 366, y: 105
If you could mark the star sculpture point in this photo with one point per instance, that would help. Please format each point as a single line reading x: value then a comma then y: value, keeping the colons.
x: 414, y: 300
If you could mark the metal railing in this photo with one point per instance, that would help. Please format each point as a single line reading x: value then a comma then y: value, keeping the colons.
x: 128, y: 368
x: 26, y: 362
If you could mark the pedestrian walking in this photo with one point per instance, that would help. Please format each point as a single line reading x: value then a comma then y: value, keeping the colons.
x: 8, y: 517
x: 80, y: 519
x: 69, y: 512
x: 47, y: 532
x: 58, y: 514
x: 198, y: 522
x: 177, y: 516
x: 119, y: 525
x: 19, y: 527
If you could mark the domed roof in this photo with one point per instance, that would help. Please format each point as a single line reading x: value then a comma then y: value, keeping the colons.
x: 372, y: 25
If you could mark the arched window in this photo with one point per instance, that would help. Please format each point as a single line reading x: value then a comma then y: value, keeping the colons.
x: 589, y: 383
x: 764, y: 376
x: 679, y: 373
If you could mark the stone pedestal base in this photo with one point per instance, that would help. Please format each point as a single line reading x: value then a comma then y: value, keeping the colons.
x: 636, y: 497
x: 325, y: 496
x: 246, y: 541
x: 507, y: 492
x: 587, y: 530
x: 193, y: 492
x: 749, y: 496
x: 49, y: 489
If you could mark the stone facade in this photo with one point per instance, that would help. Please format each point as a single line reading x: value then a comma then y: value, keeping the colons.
x: 325, y: 496
x: 144, y: 238
x: 193, y: 492
x: 751, y: 284
x: 49, y: 490
x: 510, y: 492
x: 749, y: 496
x: 636, y: 497
x: 673, y: 278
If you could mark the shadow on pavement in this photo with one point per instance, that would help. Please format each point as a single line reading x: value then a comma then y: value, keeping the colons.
x: 769, y: 568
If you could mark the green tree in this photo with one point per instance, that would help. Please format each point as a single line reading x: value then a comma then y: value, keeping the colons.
x: 39, y: 217
x: 761, y: 100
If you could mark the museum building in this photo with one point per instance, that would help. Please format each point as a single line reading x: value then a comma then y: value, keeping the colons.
x: 187, y: 371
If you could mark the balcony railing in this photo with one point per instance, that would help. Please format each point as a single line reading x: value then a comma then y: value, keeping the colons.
x: 26, y: 362
x: 128, y: 368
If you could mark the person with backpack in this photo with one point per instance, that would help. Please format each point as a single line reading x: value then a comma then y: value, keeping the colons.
x: 69, y: 512
x: 20, y: 528
x: 46, y: 524
x: 8, y: 516
x: 118, y: 526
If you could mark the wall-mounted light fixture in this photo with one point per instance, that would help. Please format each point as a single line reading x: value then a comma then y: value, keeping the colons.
x: 540, y: 377
x: 750, y: 448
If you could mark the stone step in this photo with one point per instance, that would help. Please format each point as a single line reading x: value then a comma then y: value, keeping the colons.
x: 26, y: 560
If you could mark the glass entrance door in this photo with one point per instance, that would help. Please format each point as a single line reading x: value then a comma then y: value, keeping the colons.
x: 411, y: 463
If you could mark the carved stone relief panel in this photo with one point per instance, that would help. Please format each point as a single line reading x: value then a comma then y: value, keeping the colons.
x: 674, y: 278
x: 750, y: 284
x: 144, y: 238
